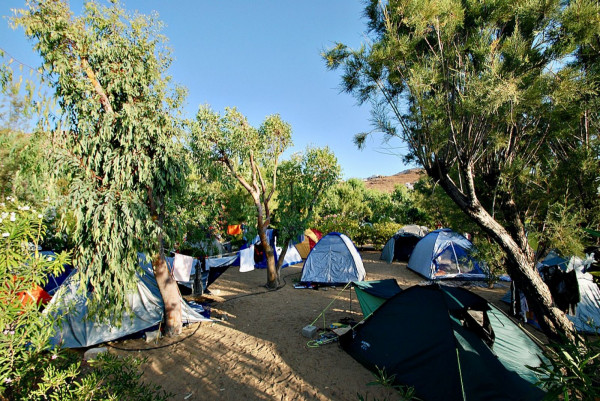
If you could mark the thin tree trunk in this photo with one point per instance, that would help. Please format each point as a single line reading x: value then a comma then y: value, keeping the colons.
x: 282, y: 256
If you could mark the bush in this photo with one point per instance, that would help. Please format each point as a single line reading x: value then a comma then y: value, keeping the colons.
x: 340, y: 224
x: 29, y: 367
x: 382, y: 232
x: 572, y: 371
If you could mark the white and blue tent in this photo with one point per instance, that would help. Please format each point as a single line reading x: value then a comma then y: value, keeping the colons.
x: 444, y: 254
x: 75, y: 328
x: 334, y: 260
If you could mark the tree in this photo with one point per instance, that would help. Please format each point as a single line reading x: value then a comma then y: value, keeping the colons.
x: 232, y: 147
x: 476, y: 90
x: 115, y: 133
x: 303, y: 182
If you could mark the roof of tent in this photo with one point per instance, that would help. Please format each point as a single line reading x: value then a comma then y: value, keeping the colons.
x: 444, y: 253
x: 77, y: 329
x: 421, y: 339
x: 333, y: 260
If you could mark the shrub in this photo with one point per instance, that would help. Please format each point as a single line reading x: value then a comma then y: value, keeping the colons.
x: 382, y: 232
x: 29, y: 367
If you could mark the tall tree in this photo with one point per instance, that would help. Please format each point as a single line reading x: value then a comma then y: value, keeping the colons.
x: 472, y: 87
x: 116, y: 135
x: 303, y: 182
x: 250, y: 155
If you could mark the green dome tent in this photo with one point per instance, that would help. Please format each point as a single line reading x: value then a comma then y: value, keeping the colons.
x: 449, y: 344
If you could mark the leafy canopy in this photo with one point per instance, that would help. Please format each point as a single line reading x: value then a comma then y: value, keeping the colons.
x: 115, y: 134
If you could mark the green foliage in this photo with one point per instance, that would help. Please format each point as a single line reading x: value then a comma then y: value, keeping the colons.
x: 25, y: 331
x: 29, y: 367
x: 341, y: 224
x: 571, y: 372
x: 303, y: 183
x: 116, y: 137
x: 368, y: 216
x: 382, y: 379
x: 382, y: 232
x: 507, y: 99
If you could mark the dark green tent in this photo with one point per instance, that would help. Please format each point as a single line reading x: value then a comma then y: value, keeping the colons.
x: 438, y: 340
x: 372, y: 294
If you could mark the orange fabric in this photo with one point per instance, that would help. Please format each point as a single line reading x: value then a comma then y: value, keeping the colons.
x: 36, y: 294
x: 234, y: 229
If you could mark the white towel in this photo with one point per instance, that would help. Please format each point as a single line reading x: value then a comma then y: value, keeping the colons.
x: 182, y: 267
x: 247, y: 259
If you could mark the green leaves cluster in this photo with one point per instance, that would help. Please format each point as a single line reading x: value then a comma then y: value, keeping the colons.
x: 304, y: 180
x: 29, y: 368
x: 116, y: 134
x: 572, y: 371
x: 505, y: 91
x: 24, y: 330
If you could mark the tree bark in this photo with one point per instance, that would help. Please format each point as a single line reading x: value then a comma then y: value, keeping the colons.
x: 272, y: 276
x: 165, y: 281
x: 521, y: 261
x: 170, y: 295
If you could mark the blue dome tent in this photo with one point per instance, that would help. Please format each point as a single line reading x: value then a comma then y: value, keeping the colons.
x: 444, y: 254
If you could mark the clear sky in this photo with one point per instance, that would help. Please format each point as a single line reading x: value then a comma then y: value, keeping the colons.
x: 262, y: 57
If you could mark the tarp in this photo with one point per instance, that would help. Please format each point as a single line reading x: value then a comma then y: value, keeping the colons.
x: 421, y: 338
x: 334, y: 260
x: 75, y: 328
x: 292, y: 256
x: 444, y: 254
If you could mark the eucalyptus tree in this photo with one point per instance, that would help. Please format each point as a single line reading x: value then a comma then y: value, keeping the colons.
x: 303, y: 183
x: 115, y: 134
x: 230, y: 147
x: 476, y: 89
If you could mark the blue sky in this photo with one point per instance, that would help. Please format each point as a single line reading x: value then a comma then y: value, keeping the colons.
x: 262, y: 57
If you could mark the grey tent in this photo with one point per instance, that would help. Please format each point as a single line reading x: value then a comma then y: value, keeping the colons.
x: 333, y: 260
x: 402, y: 243
x: 76, y: 329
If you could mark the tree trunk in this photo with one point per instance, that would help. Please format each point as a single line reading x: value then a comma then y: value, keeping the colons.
x: 166, y: 283
x: 282, y: 256
x: 272, y: 276
x: 170, y: 295
x: 521, y: 263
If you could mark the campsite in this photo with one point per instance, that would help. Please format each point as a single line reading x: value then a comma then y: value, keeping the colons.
x: 252, y: 355
x: 192, y: 206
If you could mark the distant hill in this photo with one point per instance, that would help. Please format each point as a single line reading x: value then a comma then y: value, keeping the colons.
x: 387, y: 183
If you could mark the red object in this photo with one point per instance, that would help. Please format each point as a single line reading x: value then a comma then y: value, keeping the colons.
x: 313, y: 239
x: 36, y: 294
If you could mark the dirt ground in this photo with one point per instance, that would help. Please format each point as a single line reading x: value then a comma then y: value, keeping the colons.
x: 254, y: 348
